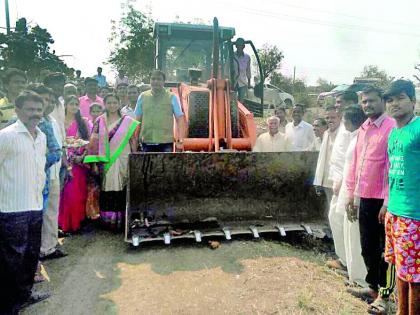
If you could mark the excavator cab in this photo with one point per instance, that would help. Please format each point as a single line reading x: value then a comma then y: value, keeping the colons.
x: 186, y: 53
x: 217, y: 186
x: 199, y: 64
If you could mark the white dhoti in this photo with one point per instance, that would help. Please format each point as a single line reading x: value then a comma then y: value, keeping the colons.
x: 49, y: 236
x: 355, y: 265
x: 336, y: 220
x: 328, y: 196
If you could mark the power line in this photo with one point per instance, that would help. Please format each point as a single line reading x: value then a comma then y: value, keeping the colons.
x: 353, y: 46
x: 305, y: 20
x: 280, y: 16
x: 347, y: 15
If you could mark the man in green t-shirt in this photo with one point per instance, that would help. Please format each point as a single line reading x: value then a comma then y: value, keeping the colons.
x: 402, y: 223
x: 156, y: 110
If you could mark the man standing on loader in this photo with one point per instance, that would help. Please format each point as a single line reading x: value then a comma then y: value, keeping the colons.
x: 242, y: 66
x: 155, y: 110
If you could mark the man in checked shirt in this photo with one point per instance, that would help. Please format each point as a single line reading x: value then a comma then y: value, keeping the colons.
x: 367, y: 186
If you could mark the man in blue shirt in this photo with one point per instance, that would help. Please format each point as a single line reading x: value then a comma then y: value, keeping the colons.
x: 100, y: 78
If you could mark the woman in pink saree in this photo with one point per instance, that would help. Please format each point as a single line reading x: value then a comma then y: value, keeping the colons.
x: 113, y: 138
x: 73, y: 197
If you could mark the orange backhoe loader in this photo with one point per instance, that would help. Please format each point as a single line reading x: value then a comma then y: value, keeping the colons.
x: 217, y: 186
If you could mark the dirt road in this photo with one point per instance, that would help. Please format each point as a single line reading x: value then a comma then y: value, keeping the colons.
x: 102, y: 275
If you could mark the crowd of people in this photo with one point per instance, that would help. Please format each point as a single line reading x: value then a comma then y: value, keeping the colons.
x: 64, y: 159
x: 369, y: 171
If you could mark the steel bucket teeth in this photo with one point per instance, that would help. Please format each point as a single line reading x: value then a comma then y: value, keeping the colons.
x: 254, y: 231
x: 167, y: 238
x: 307, y: 229
x: 197, y: 235
x: 228, y: 236
x: 282, y: 230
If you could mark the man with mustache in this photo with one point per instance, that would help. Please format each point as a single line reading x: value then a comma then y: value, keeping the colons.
x: 155, y: 110
x: 300, y: 133
x: 22, y: 179
x: 367, y: 194
x: 323, y: 178
x: 341, y: 143
x: 320, y: 126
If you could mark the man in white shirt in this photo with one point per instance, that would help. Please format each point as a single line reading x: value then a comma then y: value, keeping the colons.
x: 22, y: 179
x: 273, y: 140
x: 49, y: 239
x: 133, y: 93
x: 322, y: 178
x: 300, y: 133
x: 336, y: 219
x: 320, y: 126
x: 121, y: 78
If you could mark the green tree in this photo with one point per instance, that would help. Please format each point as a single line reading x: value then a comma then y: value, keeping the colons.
x: 287, y: 84
x: 28, y: 49
x: 284, y: 83
x: 133, y: 45
x: 270, y: 57
x: 297, y: 88
x: 324, y: 86
x: 373, y: 72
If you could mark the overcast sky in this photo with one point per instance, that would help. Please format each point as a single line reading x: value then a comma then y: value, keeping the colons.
x: 324, y: 38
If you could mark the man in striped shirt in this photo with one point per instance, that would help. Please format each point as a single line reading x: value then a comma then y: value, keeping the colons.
x: 22, y: 179
x: 367, y: 187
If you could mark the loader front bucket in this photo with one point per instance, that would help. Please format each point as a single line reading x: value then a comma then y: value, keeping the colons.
x: 175, y: 194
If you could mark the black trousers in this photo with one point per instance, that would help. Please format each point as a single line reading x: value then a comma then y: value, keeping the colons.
x: 20, y: 242
x: 372, y: 239
x: 159, y: 147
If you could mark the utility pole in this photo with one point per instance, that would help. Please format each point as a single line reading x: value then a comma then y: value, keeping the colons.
x: 294, y: 78
x: 6, y: 4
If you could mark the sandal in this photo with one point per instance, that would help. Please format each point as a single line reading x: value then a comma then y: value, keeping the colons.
x: 378, y: 307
